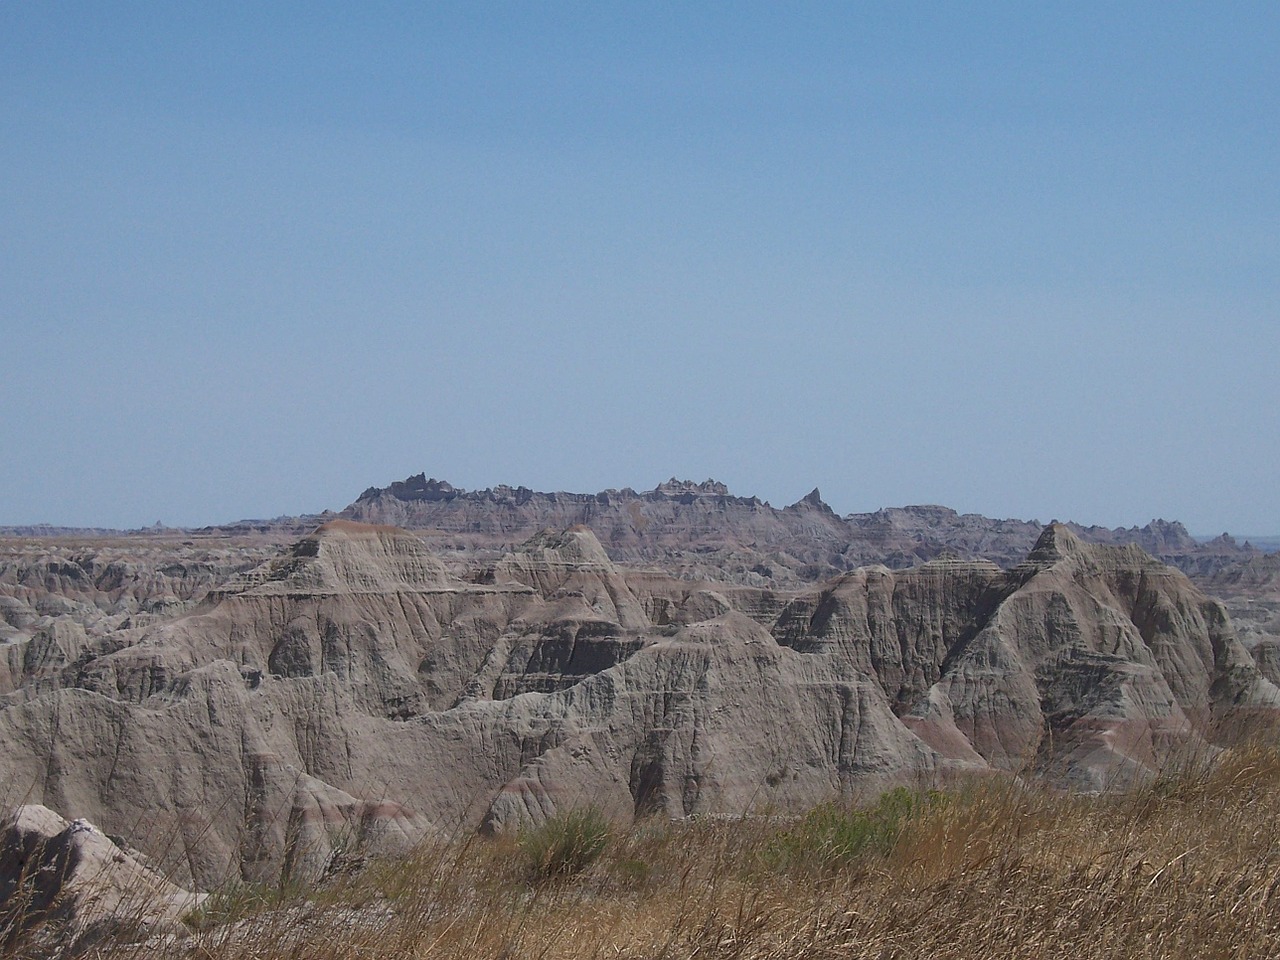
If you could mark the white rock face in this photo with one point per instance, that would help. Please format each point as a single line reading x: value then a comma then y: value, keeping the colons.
x: 68, y: 885
x: 351, y: 697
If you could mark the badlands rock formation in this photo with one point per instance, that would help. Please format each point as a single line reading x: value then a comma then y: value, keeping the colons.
x: 73, y: 885
x: 97, y: 585
x: 700, y: 530
x: 1250, y: 589
x: 357, y: 694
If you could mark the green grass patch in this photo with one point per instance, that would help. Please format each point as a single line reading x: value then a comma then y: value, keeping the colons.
x: 565, y: 845
x: 836, y: 835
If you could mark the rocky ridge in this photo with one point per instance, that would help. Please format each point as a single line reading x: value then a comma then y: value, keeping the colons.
x: 702, y: 531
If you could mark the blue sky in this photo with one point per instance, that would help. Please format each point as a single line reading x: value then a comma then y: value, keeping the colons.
x: 1019, y: 259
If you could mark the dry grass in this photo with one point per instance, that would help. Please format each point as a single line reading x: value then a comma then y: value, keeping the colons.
x: 1189, y: 867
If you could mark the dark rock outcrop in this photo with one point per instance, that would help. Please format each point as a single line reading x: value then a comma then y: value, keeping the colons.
x: 701, y: 531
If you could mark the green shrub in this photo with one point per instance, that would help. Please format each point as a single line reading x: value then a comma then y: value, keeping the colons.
x: 834, y: 835
x: 565, y: 845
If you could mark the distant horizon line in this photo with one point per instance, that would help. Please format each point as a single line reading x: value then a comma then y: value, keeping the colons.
x: 1267, y: 542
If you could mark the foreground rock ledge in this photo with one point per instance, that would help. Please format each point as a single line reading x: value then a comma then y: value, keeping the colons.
x: 69, y: 884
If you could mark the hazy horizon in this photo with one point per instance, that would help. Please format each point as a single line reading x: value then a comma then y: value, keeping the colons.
x: 1268, y: 541
x: 1019, y: 261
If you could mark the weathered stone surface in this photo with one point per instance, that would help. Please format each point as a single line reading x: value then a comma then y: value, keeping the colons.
x: 66, y: 885
x: 1250, y: 589
x: 104, y: 584
x: 356, y: 694
x: 702, y: 531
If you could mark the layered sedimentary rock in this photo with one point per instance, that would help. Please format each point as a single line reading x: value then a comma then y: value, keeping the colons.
x: 103, y: 584
x: 702, y: 530
x: 68, y: 885
x: 358, y: 694
x: 1250, y: 588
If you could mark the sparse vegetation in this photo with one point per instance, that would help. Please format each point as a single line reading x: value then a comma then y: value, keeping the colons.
x: 836, y: 835
x: 995, y: 868
x: 565, y: 845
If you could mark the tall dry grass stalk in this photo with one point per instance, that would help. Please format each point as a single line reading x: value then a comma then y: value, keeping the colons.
x: 1186, y: 867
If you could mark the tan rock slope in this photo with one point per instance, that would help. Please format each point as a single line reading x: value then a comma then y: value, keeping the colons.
x: 353, y: 696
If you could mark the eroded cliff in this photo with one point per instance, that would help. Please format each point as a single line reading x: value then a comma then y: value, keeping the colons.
x: 355, y: 693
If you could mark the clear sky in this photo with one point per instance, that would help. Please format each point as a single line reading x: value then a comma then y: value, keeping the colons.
x: 1021, y: 259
